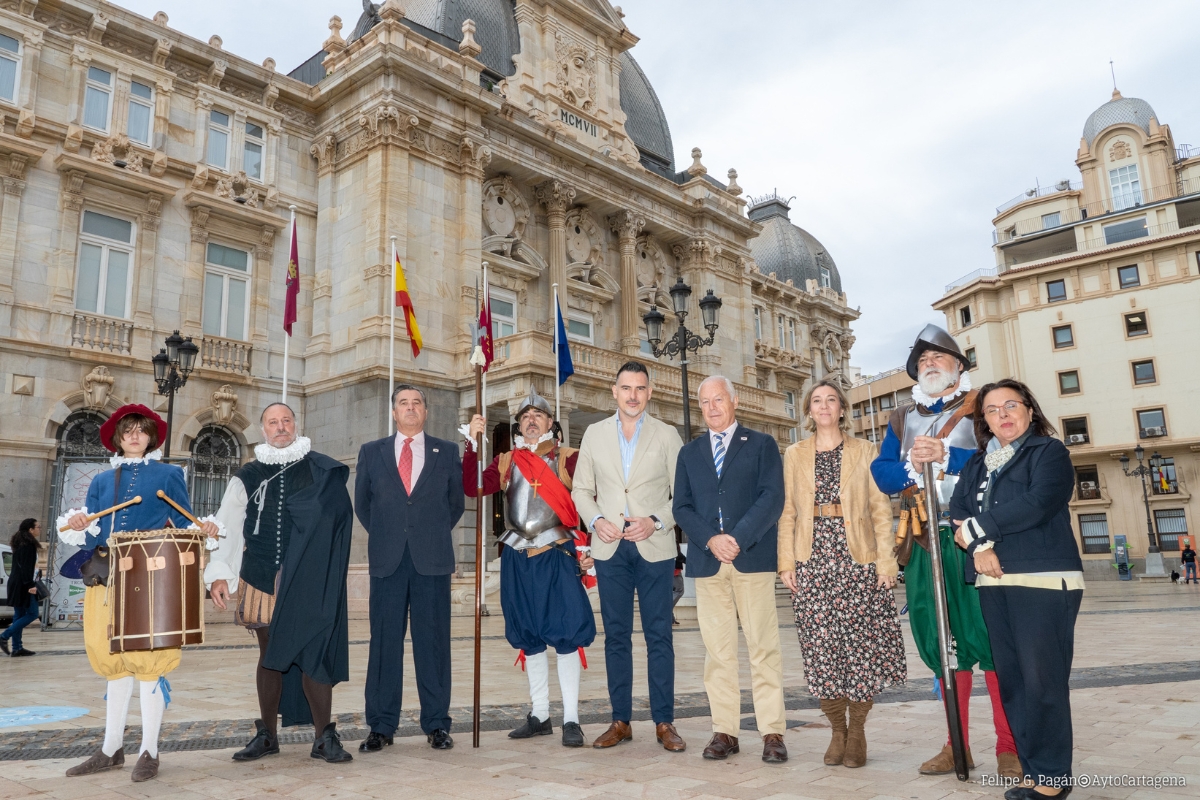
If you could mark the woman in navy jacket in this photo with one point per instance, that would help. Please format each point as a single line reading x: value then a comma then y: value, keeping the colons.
x: 1010, y: 507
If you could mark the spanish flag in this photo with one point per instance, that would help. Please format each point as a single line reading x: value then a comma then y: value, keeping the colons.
x: 403, y: 300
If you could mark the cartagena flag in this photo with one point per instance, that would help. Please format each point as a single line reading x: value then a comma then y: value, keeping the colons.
x: 485, y: 330
x: 292, y: 284
x: 403, y: 300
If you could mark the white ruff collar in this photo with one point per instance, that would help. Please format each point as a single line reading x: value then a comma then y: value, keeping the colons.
x: 964, y: 385
x: 283, y: 455
x: 520, y: 443
x: 117, y: 461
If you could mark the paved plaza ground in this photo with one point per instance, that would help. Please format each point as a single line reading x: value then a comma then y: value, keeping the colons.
x: 1136, y: 711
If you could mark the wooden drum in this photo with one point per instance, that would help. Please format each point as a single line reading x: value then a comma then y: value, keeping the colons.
x: 156, y: 589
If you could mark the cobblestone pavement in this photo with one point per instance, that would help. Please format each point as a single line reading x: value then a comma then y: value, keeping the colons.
x: 1135, y: 703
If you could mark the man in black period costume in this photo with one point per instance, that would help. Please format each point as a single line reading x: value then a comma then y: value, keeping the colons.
x: 288, y: 519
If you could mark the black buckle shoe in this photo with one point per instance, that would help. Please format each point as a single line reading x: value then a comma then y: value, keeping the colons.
x: 572, y: 735
x: 374, y: 743
x: 264, y: 743
x: 23, y: 652
x: 440, y: 739
x: 532, y: 727
x: 328, y: 746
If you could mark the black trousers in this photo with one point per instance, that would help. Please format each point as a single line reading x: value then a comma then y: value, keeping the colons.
x: 427, y: 598
x: 1032, y: 632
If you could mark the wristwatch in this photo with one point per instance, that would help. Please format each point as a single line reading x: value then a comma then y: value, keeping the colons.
x: 658, y: 526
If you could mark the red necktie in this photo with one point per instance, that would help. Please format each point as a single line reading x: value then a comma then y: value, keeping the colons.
x: 406, y: 465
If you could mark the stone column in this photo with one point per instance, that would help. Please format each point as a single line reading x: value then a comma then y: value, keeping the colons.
x: 556, y: 195
x: 145, y: 269
x: 627, y: 225
x: 163, y: 90
x: 193, y: 272
x: 10, y: 207
x: 64, y: 277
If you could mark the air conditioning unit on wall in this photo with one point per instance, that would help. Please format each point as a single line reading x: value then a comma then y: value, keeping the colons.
x: 1152, y: 432
x: 1077, y: 438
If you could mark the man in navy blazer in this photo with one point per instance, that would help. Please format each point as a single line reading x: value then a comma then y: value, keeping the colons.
x: 408, y: 495
x: 728, y: 499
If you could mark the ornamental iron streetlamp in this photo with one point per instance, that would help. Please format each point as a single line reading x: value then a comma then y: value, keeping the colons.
x: 173, y: 365
x: 683, y: 340
x: 1154, y: 565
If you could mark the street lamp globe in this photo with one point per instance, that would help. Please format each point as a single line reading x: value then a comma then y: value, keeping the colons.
x: 710, y: 309
x: 161, y: 362
x: 1156, y: 460
x: 654, y: 325
x: 173, y: 342
x: 187, y: 356
x: 680, y: 293
x: 1138, y: 453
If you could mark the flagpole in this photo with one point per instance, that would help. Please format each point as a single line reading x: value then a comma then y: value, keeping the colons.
x: 478, y: 557
x: 392, y: 341
x: 557, y: 344
x: 287, y: 337
x: 487, y: 297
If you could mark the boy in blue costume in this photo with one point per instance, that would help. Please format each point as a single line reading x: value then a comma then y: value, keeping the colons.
x: 134, y: 433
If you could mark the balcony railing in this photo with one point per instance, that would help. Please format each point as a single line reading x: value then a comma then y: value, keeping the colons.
x: 1185, y: 151
x: 987, y: 272
x: 1041, y: 191
x: 102, y: 334
x: 226, y: 355
x: 1124, y: 201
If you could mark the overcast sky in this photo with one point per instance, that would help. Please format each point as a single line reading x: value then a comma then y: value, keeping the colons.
x: 898, y: 126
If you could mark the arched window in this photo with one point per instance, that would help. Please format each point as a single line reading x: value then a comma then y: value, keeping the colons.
x: 216, y: 456
x: 79, y: 436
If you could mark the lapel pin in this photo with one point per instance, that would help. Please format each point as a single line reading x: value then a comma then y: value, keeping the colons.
x: 744, y: 438
x: 435, y: 450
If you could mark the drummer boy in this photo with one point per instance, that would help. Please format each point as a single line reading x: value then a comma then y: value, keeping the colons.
x: 134, y: 433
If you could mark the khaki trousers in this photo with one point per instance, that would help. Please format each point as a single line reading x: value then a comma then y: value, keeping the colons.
x: 721, y: 601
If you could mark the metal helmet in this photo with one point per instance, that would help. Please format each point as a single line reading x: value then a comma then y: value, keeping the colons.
x: 933, y: 338
x: 534, y: 400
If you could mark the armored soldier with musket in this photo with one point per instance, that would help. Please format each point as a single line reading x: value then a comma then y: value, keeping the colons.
x: 937, y: 429
x: 541, y: 592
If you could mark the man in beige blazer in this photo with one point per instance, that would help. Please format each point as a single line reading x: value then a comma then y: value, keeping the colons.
x: 622, y: 488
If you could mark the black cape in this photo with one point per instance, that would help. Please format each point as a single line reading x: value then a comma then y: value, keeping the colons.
x: 310, y: 624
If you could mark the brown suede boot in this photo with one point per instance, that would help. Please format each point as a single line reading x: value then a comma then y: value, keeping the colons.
x: 835, y: 712
x: 856, y: 736
x: 943, y: 763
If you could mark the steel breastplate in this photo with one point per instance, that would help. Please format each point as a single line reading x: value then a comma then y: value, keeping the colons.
x: 529, y: 519
x: 920, y: 421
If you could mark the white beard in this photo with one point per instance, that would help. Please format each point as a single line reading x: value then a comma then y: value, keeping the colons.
x: 935, y: 381
x: 925, y: 398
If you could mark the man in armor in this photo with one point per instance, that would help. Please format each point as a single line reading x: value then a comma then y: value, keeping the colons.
x: 288, y: 518
x: 937, y: 428
x: 541, y: 594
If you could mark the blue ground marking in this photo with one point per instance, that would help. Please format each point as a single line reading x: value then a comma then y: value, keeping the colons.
x: 36, y: 715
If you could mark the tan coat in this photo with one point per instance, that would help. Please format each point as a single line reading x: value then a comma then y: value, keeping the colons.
x: 868, y: 511
x: 600, y: 488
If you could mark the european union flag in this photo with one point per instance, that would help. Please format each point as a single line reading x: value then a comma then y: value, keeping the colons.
x: 565, y: 366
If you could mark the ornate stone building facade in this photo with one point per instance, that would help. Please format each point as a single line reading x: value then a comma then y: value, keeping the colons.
x: 1092, y: 303
x: 148, y: 178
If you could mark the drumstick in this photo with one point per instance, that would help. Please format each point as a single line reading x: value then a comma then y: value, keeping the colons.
x: 191, y: 519
x: 105, y: 512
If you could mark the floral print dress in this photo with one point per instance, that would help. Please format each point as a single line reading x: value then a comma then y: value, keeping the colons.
x: 848, y: 627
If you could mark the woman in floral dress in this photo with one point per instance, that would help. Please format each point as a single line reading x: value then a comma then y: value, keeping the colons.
x: 836, y: 556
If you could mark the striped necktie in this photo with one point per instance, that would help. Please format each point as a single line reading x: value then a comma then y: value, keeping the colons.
x: 719, y: 453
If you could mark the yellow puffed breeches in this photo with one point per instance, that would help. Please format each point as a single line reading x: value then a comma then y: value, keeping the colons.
x: 145, y: 665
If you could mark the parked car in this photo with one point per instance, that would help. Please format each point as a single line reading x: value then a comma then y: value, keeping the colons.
x: 6, y: 612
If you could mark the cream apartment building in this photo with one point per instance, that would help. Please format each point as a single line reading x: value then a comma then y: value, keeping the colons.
x: 1095, y: 303
x: 873, y: 398
x: 149, y: 179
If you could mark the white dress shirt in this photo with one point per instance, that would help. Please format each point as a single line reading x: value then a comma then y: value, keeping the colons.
x: 418, y: 454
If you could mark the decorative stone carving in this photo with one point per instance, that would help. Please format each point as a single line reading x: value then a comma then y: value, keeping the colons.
x: 200, y: 177
x: 23, y: 384
x: 833, y: 351
x: 215, y: 41
x: 224, y: 403
x: 1119, y: 150
x: 475, y: 155
x: 576, y: 73
x: 25, y: 122
x: 238, y: 189
x: 651, y: 264
x: 216, y: 73
x: 118, y: 151
x: 323, y: 150
x: 99, y: 24
x: 74, y: 139
x: 555, y: 195
x: 162, y: 49
x: 585, y: 239
x: 160, y: 18
x: 697, y: 169
x: 468, y: 46
x: 97, y: 385
x: 733, y: 187
x: 505, y: 212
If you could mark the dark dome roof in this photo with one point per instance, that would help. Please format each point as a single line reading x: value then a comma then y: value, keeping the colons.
x: 645, y: 121
x: 786, y: 249
x: 495, y: 26
x: 1119, y: 110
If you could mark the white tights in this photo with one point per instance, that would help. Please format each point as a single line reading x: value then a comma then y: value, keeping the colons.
x: 154, y: 704
x: 569, y: 670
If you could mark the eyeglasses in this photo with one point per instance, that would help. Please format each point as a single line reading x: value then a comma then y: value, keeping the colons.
x: 1009, y: 407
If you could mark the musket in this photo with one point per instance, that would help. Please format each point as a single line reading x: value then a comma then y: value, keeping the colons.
x: 949, y: 661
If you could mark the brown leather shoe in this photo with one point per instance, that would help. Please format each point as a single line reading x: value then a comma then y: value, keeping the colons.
x: 774, y: 750
x: 669, y: 738
x: 617, y: 732
x: 146, y: 768
x: 1008, y: 765
x: 943, y: 763
x: 720, y: 747
x: 98, y: 763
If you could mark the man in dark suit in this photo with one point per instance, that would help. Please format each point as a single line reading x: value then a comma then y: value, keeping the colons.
x: 408, y: 495
x: 728, y: 498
